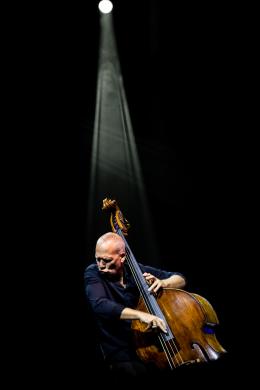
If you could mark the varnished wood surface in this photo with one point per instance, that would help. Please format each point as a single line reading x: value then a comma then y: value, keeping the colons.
x: 187, y: 315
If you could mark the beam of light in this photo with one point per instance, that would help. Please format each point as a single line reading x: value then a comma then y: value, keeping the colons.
x: 105, y: 6
x: 115, y: 167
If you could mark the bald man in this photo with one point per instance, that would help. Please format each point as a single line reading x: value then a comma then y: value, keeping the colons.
x: 113, y: 295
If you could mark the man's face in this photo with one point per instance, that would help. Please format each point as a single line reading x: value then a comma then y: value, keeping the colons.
x: 110, y: 258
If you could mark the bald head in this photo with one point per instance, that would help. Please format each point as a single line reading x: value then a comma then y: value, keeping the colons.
x: 110, y: 254
x: 111, y: 239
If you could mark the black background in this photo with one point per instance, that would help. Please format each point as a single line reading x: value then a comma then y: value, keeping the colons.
x: 182, y: 72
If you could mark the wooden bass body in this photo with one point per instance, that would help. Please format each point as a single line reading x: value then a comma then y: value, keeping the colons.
x: 191, y: 319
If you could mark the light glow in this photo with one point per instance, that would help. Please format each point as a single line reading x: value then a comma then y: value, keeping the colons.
x: 105, y: 6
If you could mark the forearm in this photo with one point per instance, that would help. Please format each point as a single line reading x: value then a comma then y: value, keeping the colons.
x: 175, y: 281
x: 130, y: 314
x: 148, y: 318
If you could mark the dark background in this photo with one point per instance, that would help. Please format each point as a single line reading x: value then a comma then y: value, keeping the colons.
x: 180, y: 70
x: 190, y: 81
x: 183, y: 75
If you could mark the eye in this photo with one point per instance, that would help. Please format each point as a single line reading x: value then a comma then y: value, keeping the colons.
x: 106, y: 261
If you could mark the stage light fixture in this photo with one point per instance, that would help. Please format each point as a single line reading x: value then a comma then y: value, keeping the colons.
x: 105, y: 6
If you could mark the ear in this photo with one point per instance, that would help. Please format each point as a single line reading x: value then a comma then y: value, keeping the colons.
x: 122, y: 258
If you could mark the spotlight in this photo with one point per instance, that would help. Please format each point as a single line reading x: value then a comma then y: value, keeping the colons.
x: 105, y: 6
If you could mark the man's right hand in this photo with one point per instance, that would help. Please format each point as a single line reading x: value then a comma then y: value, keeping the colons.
x: 152, y: 321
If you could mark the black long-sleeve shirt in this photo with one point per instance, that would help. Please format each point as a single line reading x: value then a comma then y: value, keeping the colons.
x: 107, y: 299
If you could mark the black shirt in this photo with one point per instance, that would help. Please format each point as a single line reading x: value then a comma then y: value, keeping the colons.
x: 107, y: 299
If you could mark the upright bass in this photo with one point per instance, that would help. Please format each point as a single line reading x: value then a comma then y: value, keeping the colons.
x: 190, y: 319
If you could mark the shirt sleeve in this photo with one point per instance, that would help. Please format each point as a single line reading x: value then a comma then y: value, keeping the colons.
x: 159, y: 273
x: 101, y: 304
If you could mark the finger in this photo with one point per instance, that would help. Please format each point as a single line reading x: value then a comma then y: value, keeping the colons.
x: 147, y: 328
x: 162, y: 326
x: 149, y: 280
x: 159, y: 327
x: 157, y: 287
x: 152, y: 325
x: 153, y: 286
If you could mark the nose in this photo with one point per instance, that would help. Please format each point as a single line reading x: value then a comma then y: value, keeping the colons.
x: 102, y: 266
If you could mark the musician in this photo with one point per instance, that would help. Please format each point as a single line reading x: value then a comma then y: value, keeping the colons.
x: 113, y: 296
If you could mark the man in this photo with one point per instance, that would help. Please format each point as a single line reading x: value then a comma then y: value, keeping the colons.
x: 113, y: 295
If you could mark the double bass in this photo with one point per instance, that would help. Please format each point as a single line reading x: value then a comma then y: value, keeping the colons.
x: 190, y: 319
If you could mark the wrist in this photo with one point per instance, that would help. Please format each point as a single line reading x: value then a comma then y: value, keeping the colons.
x: 163, y: 283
